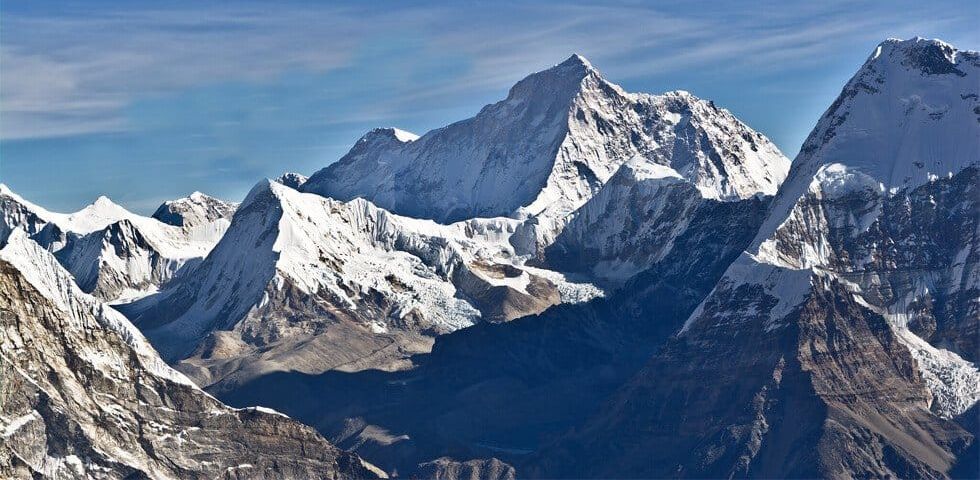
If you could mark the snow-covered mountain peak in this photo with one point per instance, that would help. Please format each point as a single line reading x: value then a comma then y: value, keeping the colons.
x: 8, y: 194
x: 261, y: 190
x: 711, y: 148
x: 95, y: 216
x: 388, y: 134
x: 910, y: 115
x: 575, y: 66
x: 577, y: 59
x: 546, y: 149
x: 116, y: 254
x: 881, y: 204
x: 403, y: 135
x: 559, y: 84
x: 194, y: 210
x: 370, y: 146
x: 104, y: 202
x: 679, y: 93
x: 928, y: 56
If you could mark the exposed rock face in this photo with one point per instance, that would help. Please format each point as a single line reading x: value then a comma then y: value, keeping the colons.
x: 809, y: 358
x: 84, y: 395
x: 543, y: 152
x: 449, y: 469
x: 914, y: 254
x: 833, y: 393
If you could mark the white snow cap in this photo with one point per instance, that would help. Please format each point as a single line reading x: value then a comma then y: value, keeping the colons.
x: 404, y: 136
x: 906, y: 117
x: 542, y: 152
x: 577, y: 59
x: 389, y: 133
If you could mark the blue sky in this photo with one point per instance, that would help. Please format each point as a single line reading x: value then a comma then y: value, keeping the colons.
x: 146, y: 101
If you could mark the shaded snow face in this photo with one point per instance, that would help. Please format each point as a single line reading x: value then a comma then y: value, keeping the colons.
x: 644, y: 214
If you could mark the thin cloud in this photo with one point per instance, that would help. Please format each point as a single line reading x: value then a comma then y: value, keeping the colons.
x: 93, y: 65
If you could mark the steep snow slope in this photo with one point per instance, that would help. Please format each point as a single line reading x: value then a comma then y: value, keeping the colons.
x: 908, y: 116
x: 840, y: 344
x: 884, y: 193
x: 549, y: 147
x: 113, y: 253
x: 331, y: 285
x: 639, y: 216
x: 85, y: 396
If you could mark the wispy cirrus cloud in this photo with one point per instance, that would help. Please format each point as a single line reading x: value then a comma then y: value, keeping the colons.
x: 210, y: 96
x: 64, y: 74
x: 71, y: 72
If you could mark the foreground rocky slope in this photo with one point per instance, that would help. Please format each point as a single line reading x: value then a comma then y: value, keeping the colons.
x: 812, y: 355
x: 84, y: 395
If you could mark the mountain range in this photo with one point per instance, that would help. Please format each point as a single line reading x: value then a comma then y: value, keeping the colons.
x: 577, y: 282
